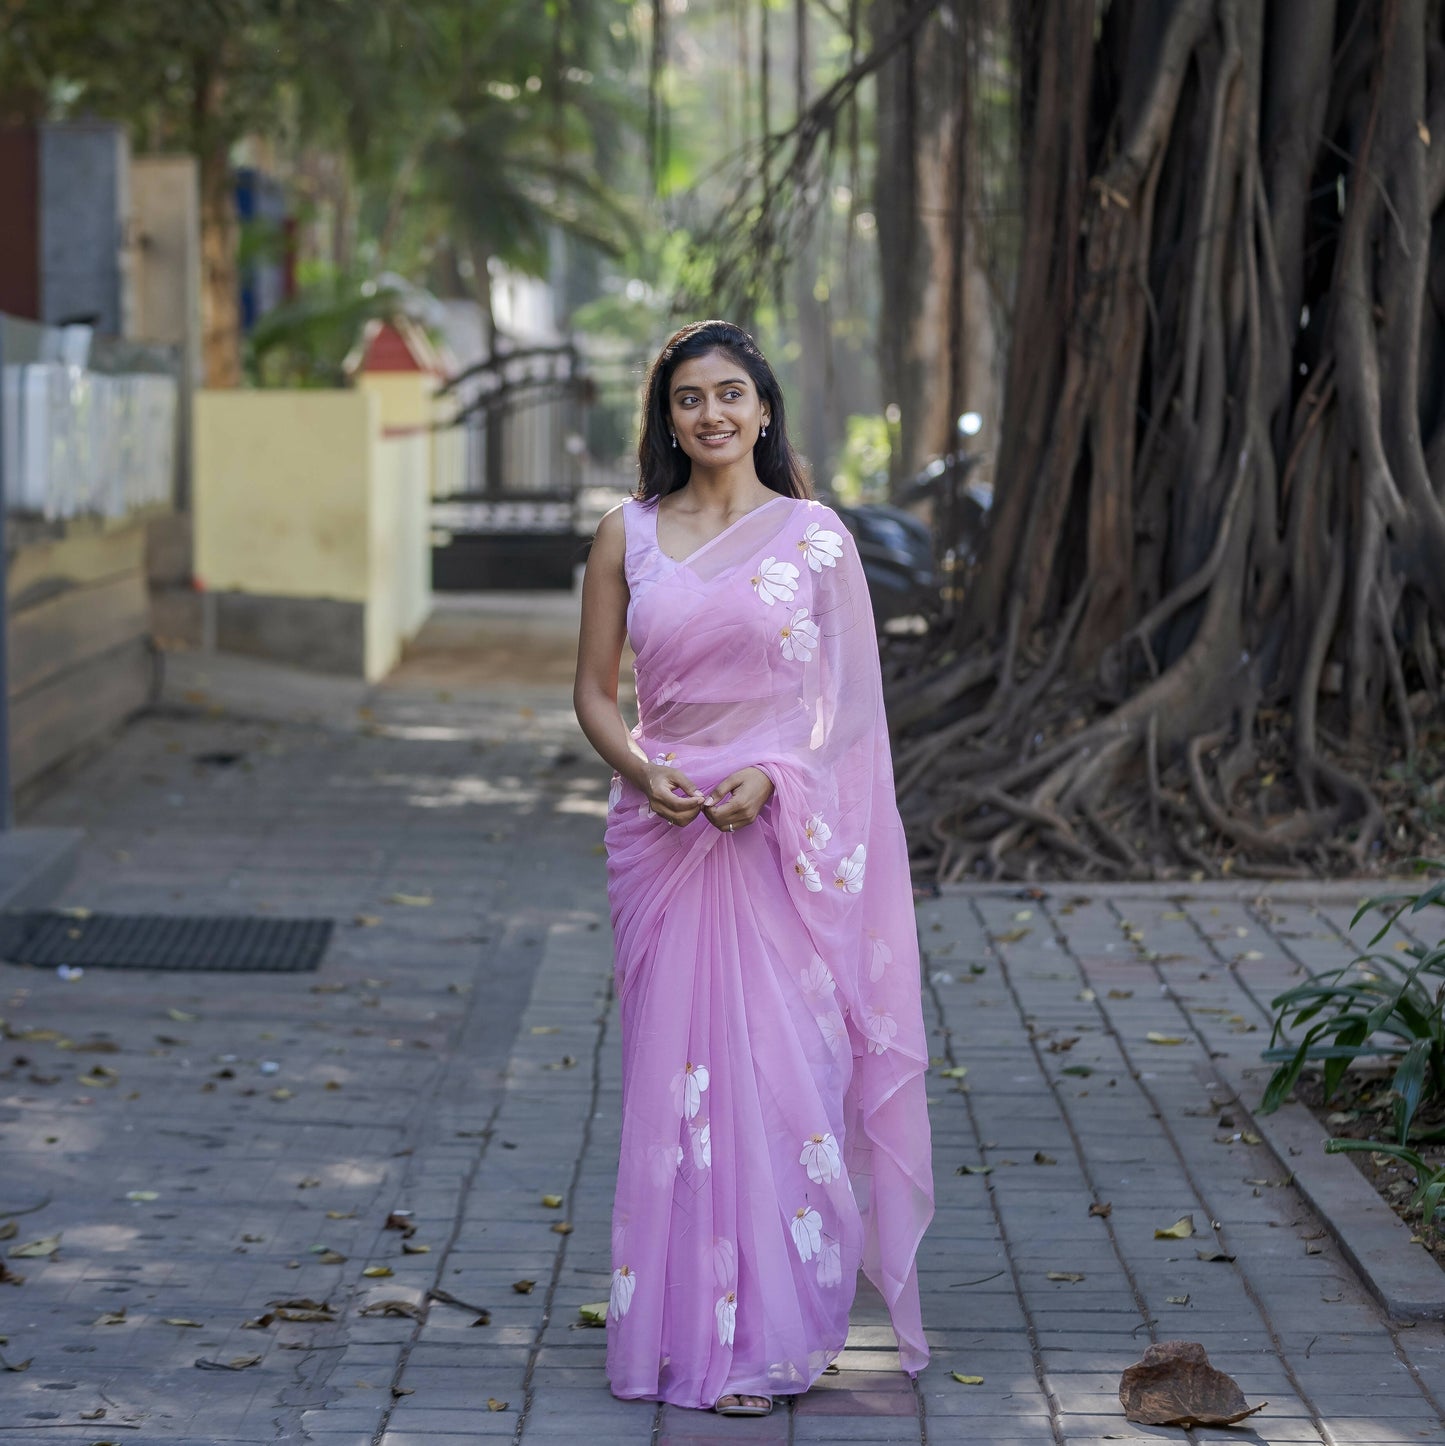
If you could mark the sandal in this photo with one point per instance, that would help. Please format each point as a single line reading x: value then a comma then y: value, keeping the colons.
x: 735, y: 1404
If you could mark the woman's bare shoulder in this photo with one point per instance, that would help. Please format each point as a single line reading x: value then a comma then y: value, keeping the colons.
x: 611, y: 534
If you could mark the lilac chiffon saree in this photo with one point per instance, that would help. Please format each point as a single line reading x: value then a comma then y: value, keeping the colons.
x: 775, y: 1134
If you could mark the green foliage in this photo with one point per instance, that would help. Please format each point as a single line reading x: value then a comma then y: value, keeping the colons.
x: 476, y: 125
x: 1381, y: 1006
x: 303, y: 343
x: 862, y: 471
x: 1429, y: 1193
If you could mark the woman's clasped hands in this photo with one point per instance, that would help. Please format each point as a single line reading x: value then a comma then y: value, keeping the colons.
x: 730, y: 805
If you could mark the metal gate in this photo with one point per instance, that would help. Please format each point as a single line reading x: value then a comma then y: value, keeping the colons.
x: 512, y: 522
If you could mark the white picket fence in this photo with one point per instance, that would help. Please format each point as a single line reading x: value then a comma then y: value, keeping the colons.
x: 78, y: 442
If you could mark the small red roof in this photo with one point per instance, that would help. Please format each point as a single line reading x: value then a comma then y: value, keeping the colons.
x: 396, y: 346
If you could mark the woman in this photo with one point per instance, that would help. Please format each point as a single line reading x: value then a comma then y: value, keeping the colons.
x: 775, y: 1133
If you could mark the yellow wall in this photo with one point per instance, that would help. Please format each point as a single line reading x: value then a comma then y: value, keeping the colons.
x: 408, y: 400
x: 405, y: 398
x: 298, y: 495
x: 283, y: 485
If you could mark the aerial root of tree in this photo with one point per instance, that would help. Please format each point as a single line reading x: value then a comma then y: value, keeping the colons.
x: 1205, y: 634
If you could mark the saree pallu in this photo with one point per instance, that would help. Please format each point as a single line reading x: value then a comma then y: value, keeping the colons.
x: 775, y: 1133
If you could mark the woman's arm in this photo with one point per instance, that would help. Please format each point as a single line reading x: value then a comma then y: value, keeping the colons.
x: 594, y: 694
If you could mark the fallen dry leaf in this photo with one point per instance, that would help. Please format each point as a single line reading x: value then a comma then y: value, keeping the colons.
x: 1070, y: 1277
x: 410, y: 1247
x: 1012, y: 936
x: 331, y: 1257
x: 957, y: 1072
x: 8, y: 1276
x: 407, y: 1308
x: 142, y: 1195
x: 552, y: 1202
x: 96, y: 1415
x: 1181, y: 1229
x: 1042, y: 1159
x: 967, y: 1380
x: 974, y: 1170
x: 1103, y: 1209
x: 1155, y: 1037
x: 236, y: 1363
x: 493, y: 1404
x: 1121, y: 994
x: 593, y: 1315
x: 1174, y: 1385
x: 523, y: 1287
x: 303, y: 1308
x: 111, y: 1317
x: 562, y: 1227
x: 411, y: 901
x: 378, y: 1272
x: 9, y: 1230
x: 180, y: 1320
x: 1178, y: 1300
x: 16, y: 1365
x: 36, y: 1249
x: 1214, y: 1255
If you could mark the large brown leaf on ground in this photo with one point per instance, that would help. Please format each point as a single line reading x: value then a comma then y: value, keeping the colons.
x: 1174, y: 1385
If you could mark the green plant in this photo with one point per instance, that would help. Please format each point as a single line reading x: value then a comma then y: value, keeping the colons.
x: 1379, y: 1006
x: 1429, y: 1179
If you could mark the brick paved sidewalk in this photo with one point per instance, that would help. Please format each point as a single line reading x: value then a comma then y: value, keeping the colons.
x: 1048, y: 1004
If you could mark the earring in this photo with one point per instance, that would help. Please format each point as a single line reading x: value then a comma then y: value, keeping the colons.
x: 674, y: 439
x: 765, y: 430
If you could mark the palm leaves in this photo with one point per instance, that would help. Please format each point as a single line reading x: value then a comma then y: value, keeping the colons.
x: 1385, y: 1006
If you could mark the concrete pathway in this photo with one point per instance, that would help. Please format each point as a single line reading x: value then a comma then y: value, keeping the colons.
x: 201, y: 1143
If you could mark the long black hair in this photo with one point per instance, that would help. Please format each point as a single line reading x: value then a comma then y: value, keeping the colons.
x: 664, y: 468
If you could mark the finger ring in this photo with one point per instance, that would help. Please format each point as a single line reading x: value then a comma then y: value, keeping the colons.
x: 730, y: 828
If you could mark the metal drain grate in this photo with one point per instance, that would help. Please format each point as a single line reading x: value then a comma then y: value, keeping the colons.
x: 229, y: 944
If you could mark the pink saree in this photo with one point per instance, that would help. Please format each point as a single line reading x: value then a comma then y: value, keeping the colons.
x: 775, y: 1134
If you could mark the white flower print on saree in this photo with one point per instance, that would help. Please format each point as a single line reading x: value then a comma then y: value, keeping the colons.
x: 817, y: 979
x: 688, y: 1085
x: 724, y: 1262
x: 830, y: 1264
x: 820, y: 547
x: 807, y: 870
x: 821, y: 1158
x: 799, y: 637
x: 775, y: 581
x: 623, y: 1285
x: 833, y: 1029
x: 848, y: 876
x: 807, y: 1228
x: 816, y: 831
x: 881, y: 1028
x: 702, y: 1147
x: 726, y: 1311
x: 882, y: 958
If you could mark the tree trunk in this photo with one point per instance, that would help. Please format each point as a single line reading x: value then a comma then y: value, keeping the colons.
x: 220, y: 295
x: 1209, y: 615
x: 937, y: 325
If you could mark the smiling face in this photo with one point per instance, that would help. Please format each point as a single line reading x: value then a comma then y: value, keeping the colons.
x: 714, y: 409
